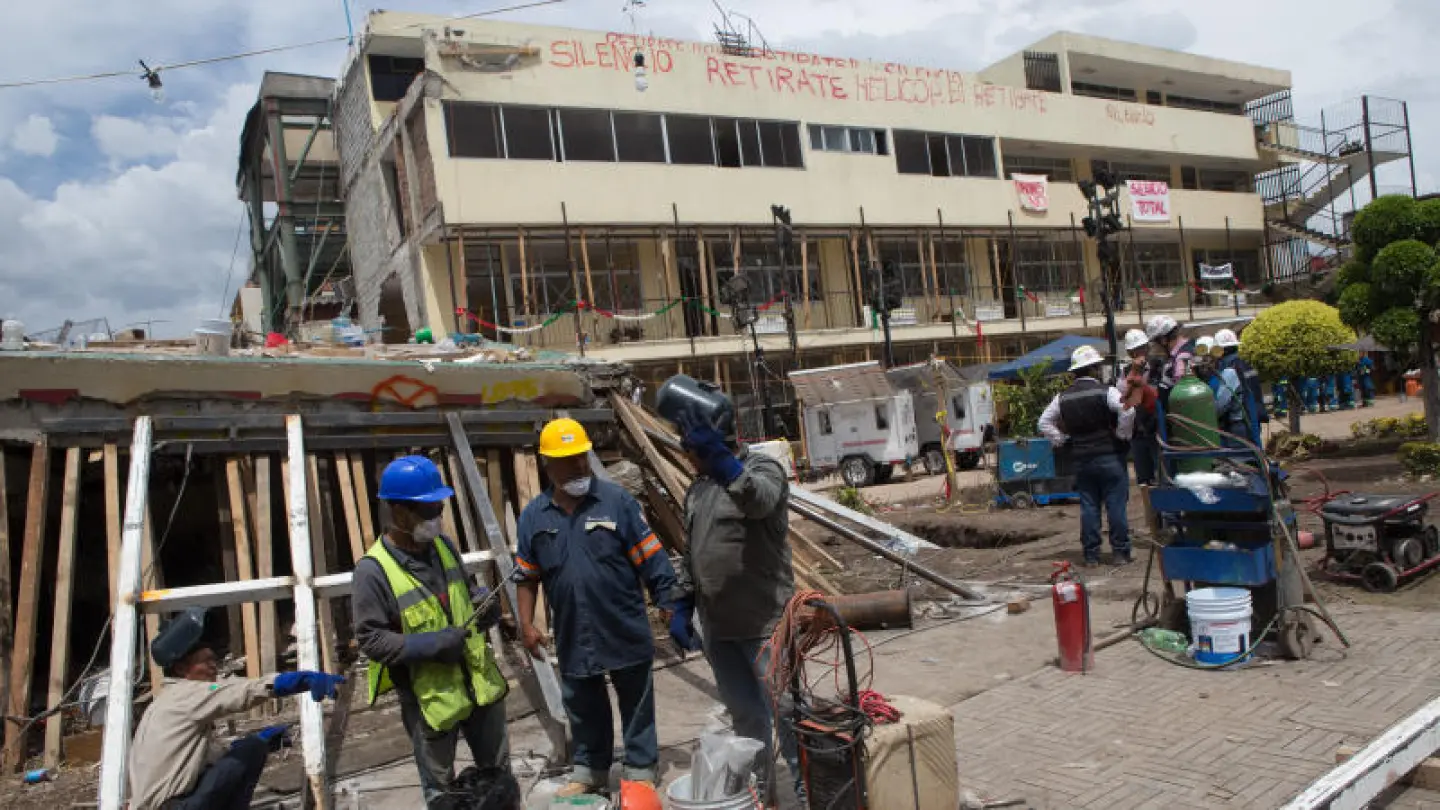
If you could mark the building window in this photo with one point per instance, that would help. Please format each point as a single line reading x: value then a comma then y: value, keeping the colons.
x: 944, y: 155
x: 856, y: 140
x: 473, y: 130
x: 826, y: 427
x: 779, y: 144
x: 881, y: 422
x: 1049, y: 266
x: 640, y: 137
x: 1245, y: 262
x: 547, y: 273
x: 528, y: 133
x: 1059, y: 170
x: 1155, y: 266
x: 691, y: 141
x: 1152, y: 172
x: 1042, y: 71
x: 1103, y: 91
x: 586, y: 135
x: 760, y: 262
x: 391, y: 76
x: 1204, y: 105
x: 1154, y: 98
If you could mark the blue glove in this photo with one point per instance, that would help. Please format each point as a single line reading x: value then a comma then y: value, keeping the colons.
x: 716, y: 460
x: 274, y: 736
x: 444, y: 646
x: 682, y: 624
x: 320, y: 685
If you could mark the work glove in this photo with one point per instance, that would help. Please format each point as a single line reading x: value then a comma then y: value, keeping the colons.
x: 490, y: 616
x: 320, y: 684
x: 716, y: 460
x: 443, y: 646
x: 682, y: 624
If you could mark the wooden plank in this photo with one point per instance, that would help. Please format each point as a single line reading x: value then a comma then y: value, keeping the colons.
x: 672, y: 482
x: 6, y: 617
x: 244, y: 564
x: 64, y: 592
x: 265, y: 563
x: 362, y: 497
x: 1426, y: 775
x: 113, y: 517
x: 471, y: 540
x: 325, y: 612
x: 27, y: 600
x: 859, y: 291
x: 814, y: 549
x: 447, y: 517
x: 589, y: 282
x: 527, y: 487
x: 805, y: 275
x: 151, y: 578
x: 228, y: 567
x: 343, y: 475
x: 495, y: 481
x: 1356, y: 782
x: 524, y: 276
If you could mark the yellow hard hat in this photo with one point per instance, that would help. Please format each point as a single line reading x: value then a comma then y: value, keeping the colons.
x: 562, y: 438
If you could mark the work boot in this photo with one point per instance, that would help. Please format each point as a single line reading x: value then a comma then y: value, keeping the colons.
x: 1122, y: 558
x: 573, y: 789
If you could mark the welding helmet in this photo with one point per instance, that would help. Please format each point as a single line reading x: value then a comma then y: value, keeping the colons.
x: 414, y: 479
x: 687, y: 401
x: 179, y: 637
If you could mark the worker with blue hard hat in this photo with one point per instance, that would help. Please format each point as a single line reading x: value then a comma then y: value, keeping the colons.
x: 175, y: 762
x: 417, y: 619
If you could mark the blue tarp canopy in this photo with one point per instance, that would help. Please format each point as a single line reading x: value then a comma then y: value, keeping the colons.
x: 1055, y: 357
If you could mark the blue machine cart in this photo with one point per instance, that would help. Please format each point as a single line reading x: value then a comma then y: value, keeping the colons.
x: 1028, y: 472
x: 1238, y: 539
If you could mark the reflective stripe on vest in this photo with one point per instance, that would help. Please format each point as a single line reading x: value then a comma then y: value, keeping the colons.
x: 442, y: 690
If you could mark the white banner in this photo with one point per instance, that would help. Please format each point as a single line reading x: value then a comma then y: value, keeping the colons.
x: 1222, y: 273
x: 1033, y: 191
x: 1149, y: 200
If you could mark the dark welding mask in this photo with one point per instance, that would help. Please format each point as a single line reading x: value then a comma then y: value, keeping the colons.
x: 179, y: 637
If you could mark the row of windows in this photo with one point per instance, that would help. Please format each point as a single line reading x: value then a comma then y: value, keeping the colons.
x: 942, y: 155
x: 858, y: 140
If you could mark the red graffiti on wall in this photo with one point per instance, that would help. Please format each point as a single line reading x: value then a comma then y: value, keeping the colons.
x: 778, y: 78
x: 1016, y: 98
x: 617, y: 52
x: 1130, y: 115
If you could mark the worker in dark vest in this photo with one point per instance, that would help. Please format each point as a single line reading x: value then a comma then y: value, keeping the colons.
x: 413, y: 617
x: 175, y: 762
x: 1095, y: 422
x: 1228, y: 343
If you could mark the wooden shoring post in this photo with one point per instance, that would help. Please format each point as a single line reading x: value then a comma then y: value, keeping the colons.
x: 113, y: 518
x: 589, y: 280
x: 925, y: 276
x: 152, y: 577
x: 805, y: 274
x: 27, y: 600
x: 524, y: 274
x: 307, y: 645
x: 935, y: 275
x: 229, y: 545
x: 447, y: 507
x: 344, y: 471
x: 123, y: 650
x: 6, y: 616
x: 703, y: 259
x: 265, y: 563
x: 469, y: 541
x: 319, y: 539
x: 527, y: 487
x: 859, y: 290
x: 362, y: 497
x: 244, y: 563
x: 64, y: 592
x: 495, y: 480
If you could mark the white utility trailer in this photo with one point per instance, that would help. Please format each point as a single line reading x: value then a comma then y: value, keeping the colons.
x: 855, y: 422
x: 969, y: 407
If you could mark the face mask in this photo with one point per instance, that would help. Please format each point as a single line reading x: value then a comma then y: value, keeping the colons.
x: 577, y: 487
x: 425, y: 532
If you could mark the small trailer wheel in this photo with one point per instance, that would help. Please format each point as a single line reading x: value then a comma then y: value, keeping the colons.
x: 1380, y: 577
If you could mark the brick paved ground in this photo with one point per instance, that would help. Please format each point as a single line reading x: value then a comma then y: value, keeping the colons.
x: 1140, y: 733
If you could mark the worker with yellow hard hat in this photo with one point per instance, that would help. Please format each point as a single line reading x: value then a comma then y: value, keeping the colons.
x: 586, y: 542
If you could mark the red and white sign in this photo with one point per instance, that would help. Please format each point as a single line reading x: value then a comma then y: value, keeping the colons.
x: 1149, y: 200
x: 1033, y: 191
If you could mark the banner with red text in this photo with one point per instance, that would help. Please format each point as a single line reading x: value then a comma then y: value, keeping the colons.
x: 1033, y: 191
x: 1149, y: 200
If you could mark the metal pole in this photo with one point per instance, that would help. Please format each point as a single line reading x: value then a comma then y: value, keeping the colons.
x: 878, y: 305
x: 674, y: 257
x: 1369, y: 146
x: 949, y: 287
x: 1235, y: 274
x: 1135, y: 269
x: 1409, y: 147
x: 1015, y: 271
x: 1080, y: 253
x: 1334, y: 213
x: 574, y: 278
x: 1187, y: 267
x: 455, y: 321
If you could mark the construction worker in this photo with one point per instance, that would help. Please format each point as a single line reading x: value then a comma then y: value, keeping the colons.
x: 1280, y: 393
x: 738, y: 572
x: 415, y: 619
x: 1168, y: 338
x: 1345, y: 390
x: 1365, y: 371
x: 1139, y: 394
x: 1310, y: 393
x: 1095, y: 422
x: 175, y: 762
x: 1231, y: 411
x: 587, y: 543
x: 1227, y: 343
x: 1327, y: 393
x: 1204, y: 346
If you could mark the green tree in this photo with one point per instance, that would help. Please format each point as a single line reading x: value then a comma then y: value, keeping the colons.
x: 1392, y: 287
x: 1293, y: 340
x: 1028, y: 397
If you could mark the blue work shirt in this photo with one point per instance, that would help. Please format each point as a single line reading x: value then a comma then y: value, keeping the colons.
x: 591, y: 564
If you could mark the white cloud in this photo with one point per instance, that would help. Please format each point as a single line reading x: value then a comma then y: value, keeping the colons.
x: 35, y: 137
x: 125, y: 139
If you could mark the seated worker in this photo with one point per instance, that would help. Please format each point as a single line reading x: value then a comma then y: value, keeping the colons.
x: 175, y: 762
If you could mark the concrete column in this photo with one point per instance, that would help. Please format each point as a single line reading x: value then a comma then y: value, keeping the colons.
x: 285, y: 216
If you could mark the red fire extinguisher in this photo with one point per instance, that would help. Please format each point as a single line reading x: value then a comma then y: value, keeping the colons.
x: 1072, y: 619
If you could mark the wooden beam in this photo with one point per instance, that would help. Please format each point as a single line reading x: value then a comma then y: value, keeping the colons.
x: 524, y: 277
x: 228, y: 566
x: 362, y: 497
x: 151, y: 578
x: 344, y: 471
x: 805, y: 275
x: 470, y: 541
x: 113, y: 517
x: 64, y: 593
x: 27, y: 600
x: 319, y: 529
x: 495, y: 483
x: 244, y: 564
x: 855, y: 272
x: 265, y: 563
x: 7, y: 618
x: 589, y: 282
x: 632, y: 423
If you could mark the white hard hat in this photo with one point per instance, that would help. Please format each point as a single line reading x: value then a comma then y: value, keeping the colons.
x: 1226, y: 339
x: 1085, y: 356
x: 1160, y: 326
x: 1135, y: 339
x: 1204, y: 344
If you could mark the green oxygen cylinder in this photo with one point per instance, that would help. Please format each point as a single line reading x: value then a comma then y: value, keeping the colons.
x: 1193, y: 399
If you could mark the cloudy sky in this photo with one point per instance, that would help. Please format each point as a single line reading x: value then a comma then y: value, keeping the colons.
x: 114, y: 206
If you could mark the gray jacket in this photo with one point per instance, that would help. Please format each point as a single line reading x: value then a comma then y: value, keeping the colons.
x: 738, y: 555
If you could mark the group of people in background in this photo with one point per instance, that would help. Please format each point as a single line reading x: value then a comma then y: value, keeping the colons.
x: 1329, y: 393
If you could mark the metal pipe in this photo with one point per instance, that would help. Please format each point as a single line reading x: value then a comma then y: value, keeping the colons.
x: 882, y: 610
x: 1369, y: 146
x: 1188, y: 265
x: 450, y: 274
x: 1015, y: 271
x: 1409, y: 147
x: 1234, y: 274
x: 1080, y: 254
x: 924, y: 572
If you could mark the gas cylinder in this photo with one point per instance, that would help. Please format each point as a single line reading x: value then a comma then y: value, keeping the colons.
x: 1193, y: 399
x: 1072, y: 619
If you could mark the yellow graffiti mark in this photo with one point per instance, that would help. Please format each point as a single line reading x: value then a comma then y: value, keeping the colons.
x: 525, y: 389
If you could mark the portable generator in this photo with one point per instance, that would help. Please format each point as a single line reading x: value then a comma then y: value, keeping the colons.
x: 1379, y: 540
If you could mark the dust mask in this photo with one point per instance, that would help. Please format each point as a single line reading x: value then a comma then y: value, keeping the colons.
x: 425, y: 532
x: 577, y: 487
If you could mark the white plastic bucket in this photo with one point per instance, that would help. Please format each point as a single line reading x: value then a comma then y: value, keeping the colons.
x: 1219, y: 623
x: 677, y: 797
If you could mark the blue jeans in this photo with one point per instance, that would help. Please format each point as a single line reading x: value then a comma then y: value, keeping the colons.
x: 738, y: 668
x: 230, y: 782
x: 592, y: 727
x: 1145, y: 450
x: 1103, y: 481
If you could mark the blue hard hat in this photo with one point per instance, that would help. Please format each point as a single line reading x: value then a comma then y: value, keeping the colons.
x: 415, y: 479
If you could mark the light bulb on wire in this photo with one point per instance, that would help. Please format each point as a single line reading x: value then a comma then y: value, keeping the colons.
x: 642, y: 76
x: 152, y: 78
